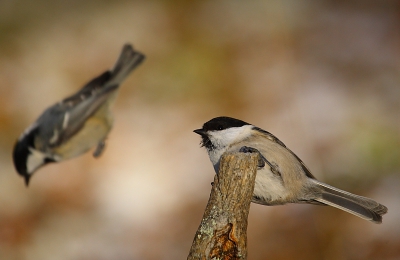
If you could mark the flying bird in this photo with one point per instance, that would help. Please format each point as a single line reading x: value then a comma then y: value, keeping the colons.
x: 76, y: 124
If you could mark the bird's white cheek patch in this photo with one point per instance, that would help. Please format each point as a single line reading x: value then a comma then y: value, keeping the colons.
x: 35, y: 160
x: 226, y: 137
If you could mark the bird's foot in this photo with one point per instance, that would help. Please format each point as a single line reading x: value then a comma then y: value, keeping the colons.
x: 99, y: 149
x: 246, y: 149
x: 262, y: 160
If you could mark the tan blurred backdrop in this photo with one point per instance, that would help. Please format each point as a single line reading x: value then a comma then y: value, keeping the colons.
x: 323, y: 76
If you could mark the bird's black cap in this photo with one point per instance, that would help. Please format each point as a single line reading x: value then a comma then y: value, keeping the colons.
x: 217, y: 124
x: 220, y: 123
x: 21, y: 152
x: 20, y: 157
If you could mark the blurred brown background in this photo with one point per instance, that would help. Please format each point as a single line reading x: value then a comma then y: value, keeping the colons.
x: 324, y: 76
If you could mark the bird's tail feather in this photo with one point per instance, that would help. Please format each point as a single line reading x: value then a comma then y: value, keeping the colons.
x: 128, y: 60
x: 357, y: 205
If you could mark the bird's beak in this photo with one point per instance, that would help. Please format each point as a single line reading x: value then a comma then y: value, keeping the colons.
x: 200, y: 132
x: 27, y: 178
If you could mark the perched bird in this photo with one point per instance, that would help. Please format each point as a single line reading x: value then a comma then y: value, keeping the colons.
x: 77, y: 123
x: 281, y: 176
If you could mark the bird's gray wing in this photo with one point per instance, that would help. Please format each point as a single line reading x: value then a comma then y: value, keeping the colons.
x: 276, y: 140
x: 84, y: 103
x: 63, y: 120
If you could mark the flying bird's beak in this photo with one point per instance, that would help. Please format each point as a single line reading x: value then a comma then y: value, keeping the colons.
x: 200, y: 132
x: 27, y: 178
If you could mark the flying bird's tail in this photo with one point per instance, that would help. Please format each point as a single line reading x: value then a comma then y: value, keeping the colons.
x: 362, y: 207
x: 128, y: 60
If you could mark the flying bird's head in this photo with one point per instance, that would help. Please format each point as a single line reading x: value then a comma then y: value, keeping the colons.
x: 26, y: 158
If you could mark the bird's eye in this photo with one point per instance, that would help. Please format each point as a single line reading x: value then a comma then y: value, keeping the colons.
x: 49, y: 160
x: 220, y: 127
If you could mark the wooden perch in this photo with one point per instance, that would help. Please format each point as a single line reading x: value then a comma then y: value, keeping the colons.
x: 222, y: 232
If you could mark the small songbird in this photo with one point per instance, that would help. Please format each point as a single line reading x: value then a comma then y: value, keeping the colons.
x: 76, y: 124
x: 281, y: 176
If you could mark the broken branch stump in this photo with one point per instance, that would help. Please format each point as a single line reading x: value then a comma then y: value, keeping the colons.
x: 222, y: 232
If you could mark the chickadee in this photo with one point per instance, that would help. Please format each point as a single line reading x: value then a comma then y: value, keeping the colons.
x: 281, y: 176
x: 77, y: 123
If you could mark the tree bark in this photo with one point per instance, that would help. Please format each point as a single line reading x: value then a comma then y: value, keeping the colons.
x: 222, y: 232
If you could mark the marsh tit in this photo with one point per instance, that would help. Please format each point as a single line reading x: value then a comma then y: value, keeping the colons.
x: 77, y: 123
x: 281, y: 176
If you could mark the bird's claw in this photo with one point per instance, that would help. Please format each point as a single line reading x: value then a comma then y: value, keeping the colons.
x: 262, y: 160
x: 246, y: 149
x: 99, y: 149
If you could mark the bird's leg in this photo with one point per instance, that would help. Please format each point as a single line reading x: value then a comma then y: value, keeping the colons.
x: 262, y: 160
x: 99, y: 149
